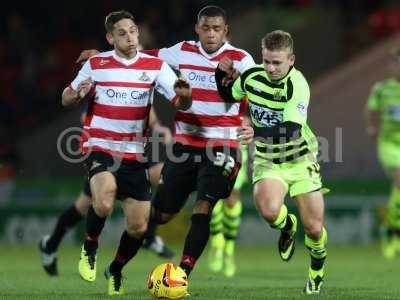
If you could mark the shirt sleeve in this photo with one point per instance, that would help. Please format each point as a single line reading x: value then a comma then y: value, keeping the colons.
x: 246, y: 63
x: 164, y: 82
x: 374, y: 98
x: 171, y: 55
x: 84, y: 73
x: 237, y: 92
x: 296, y: 108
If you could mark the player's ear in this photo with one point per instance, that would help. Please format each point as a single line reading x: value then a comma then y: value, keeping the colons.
x: 292, y: 59
x: 110, y: 38
x: 197, y: 28
x: 226, y: 29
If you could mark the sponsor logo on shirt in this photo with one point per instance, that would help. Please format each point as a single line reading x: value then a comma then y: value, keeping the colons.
x: 394, y: 112
x: 144, y: 77
x: 264, y: 116
x: 127, y: 97
x: 302, y: 108
x: 277, y: 95
x: 201, y: 80
x: 102, y: 62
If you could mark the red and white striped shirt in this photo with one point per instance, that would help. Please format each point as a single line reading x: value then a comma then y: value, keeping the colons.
x: 210, y: 121
x: 117, y: 114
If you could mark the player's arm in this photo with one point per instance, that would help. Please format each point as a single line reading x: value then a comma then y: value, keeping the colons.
x: 86, y: 54
x: 373, y: 120
x: 79, y: 87
x: 373, y: 111
x: 228, y: 81
x: 245, y: 133
x: 184, y: 92
x: 170, y: 55
x: 177, y: 90
x: 71, y: 96
x: 158, y: 128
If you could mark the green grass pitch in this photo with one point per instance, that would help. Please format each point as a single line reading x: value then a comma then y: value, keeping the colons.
x: 353, y: 272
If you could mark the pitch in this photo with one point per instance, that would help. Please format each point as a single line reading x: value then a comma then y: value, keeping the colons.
x: 353, y: 272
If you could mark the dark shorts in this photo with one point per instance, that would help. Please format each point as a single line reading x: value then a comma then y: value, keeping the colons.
x: 131, y: 176
x: 155, y: 153
x: 211, y: 174
x: 86, y: 188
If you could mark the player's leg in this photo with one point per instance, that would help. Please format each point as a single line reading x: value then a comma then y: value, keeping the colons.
x: 198, y: 235
x: 152, y: 241
x: 225, y: 222
x: 311, y: 209
x: 233, y: 216
x: 137, y: 216
x: 217, y: 240
x: 177, y: 181
x: 306, y: 187
x: 216, y: 176
x: 103, y: 186
x: 134, y: 188
x: 49, y: 244
x: 269, y: 195
x: 389, y: 157
x: 232, y: 220
x: 391, y: 242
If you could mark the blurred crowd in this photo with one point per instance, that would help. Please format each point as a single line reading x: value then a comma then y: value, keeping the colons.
x: 40, y: 41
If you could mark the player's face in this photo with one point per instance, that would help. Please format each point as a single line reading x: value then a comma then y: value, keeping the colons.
x: 124, y: 37
x: 277, y: 63
x: 212, y: 32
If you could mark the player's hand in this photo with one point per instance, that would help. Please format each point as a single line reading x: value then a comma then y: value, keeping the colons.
x: 226, y: 65
x: 228, y: 79
x: 85, y: 55
x: 84, y: 88
x: 245, y: 134
x: 183, y: 89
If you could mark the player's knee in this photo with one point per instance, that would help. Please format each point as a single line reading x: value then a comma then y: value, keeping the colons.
x: 313, y: 230
x: 82, y: 204
x: 202, y: 207
x: 104, y: 208
x: 231, y: 200
x: 270, y: 214
x: 137, y: 229
x: 104, y: 202
x: 268, y: 211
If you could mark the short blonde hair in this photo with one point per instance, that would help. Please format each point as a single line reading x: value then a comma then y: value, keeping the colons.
x: 277, y: 40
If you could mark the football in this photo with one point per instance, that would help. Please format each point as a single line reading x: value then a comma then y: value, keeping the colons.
x: 167, y: 281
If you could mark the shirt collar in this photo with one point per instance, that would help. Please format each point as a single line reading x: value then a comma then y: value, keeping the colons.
x: 211, y: 55
x: 284, y: 77
x: 125, y: 61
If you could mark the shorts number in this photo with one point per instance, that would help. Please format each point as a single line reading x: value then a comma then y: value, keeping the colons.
x: 225, y: 161
x: 313, y: 169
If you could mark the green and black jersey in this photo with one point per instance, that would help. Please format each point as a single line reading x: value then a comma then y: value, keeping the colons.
x: 385, y: 99
x: 272, y: 103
